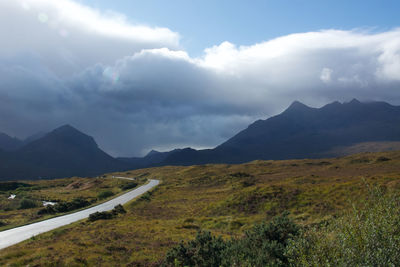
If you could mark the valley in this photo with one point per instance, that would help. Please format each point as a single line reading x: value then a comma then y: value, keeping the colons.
x: 225, y: 199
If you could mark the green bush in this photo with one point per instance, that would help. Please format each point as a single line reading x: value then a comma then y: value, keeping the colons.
x: 129, y: 185
x: 264, y: 245
x: 205, y: 250
x: 105, y: 194
x: 368, y: 236
x: 106, y: 215
x: 146, y: 196
x: 27, y: 204
x: 119, y: 209
x: 75, y: 204
x: 2, y: 223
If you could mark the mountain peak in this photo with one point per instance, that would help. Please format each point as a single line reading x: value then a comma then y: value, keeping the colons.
x: 65, y: 127
x: 354, y: 102
x: 67, y: 130
x: 297, y: 106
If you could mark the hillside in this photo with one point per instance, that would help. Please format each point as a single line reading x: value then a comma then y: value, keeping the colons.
x: 225, y: 199
x: 9, y: 143
x: 64, y: 152
x: 304, y: 132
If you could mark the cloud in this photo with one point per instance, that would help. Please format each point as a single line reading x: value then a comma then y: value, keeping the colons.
x: 69, y: 37
x: 326, y: 74
x: 134, y: 88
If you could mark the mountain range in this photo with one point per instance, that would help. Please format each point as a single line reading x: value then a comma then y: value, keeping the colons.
x: 298, y: 132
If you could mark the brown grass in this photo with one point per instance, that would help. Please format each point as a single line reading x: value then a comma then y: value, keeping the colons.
x: 226, y: 199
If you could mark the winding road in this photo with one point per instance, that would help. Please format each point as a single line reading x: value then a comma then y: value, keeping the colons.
x: 19, y: 234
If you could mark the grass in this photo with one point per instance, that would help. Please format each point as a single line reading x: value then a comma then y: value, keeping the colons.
x: 59, y: 190
x: 224, y: 199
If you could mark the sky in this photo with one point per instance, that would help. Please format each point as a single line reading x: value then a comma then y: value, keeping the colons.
x: 142, y: 75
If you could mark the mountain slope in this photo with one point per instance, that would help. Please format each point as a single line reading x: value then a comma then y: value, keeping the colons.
x: 303, y: 132
x: 63, y: 152
x: 9, y: 143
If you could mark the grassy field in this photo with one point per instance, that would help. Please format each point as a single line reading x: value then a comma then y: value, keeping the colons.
x: 225, y: 199
x: 24, y: 207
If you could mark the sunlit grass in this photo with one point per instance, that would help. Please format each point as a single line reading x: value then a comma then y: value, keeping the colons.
x: 225, y: 199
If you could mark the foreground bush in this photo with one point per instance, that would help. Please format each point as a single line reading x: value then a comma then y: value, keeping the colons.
x: 264, y: 245
x: 205, y: 250
x: 368, y: 236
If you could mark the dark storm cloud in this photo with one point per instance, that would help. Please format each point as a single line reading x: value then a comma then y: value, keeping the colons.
x: 132, y: 90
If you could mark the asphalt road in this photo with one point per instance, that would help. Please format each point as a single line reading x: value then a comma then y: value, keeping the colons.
x: 16, y: 235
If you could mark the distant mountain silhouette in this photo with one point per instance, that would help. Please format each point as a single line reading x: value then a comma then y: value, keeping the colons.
x: 298, y: 132
x: 153, y: 158
x: 302, y: 132
x: 33, y: 137
x: 63, y: 152
x: 9, y: 143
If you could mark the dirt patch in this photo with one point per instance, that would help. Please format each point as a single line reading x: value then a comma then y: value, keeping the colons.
x: 79, y: 185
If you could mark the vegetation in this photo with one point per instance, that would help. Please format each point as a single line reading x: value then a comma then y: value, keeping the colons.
x: 129, y: 185
x: 105, y: 194
x: 106, y: 215
x: 369, y: 235
x: 264, y: 245
x: 7, y: 186
x: 27, y: 204
x: 319, y: 194
x: 75, y: 204
x: 70, y: 194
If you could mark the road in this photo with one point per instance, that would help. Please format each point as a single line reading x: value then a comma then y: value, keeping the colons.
x: 16, y: 235
x: 126, y: 178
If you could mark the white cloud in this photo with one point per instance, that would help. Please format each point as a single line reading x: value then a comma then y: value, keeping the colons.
x: 326, y: 74
x: 69, y: 37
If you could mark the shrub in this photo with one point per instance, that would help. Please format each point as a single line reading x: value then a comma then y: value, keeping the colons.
x: 368, y: 236
x: 204, y: 250
x: 27, y: 204
x: 381, y: 159
x: 146, y: 196
x: 240, y: 175
x: 119, y: 209
x: 75, y: 204
x: 2, y: 223
x: 264, y: 245
x: 106, y: 215
x: 105, y: 194
x: 129, y: 185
